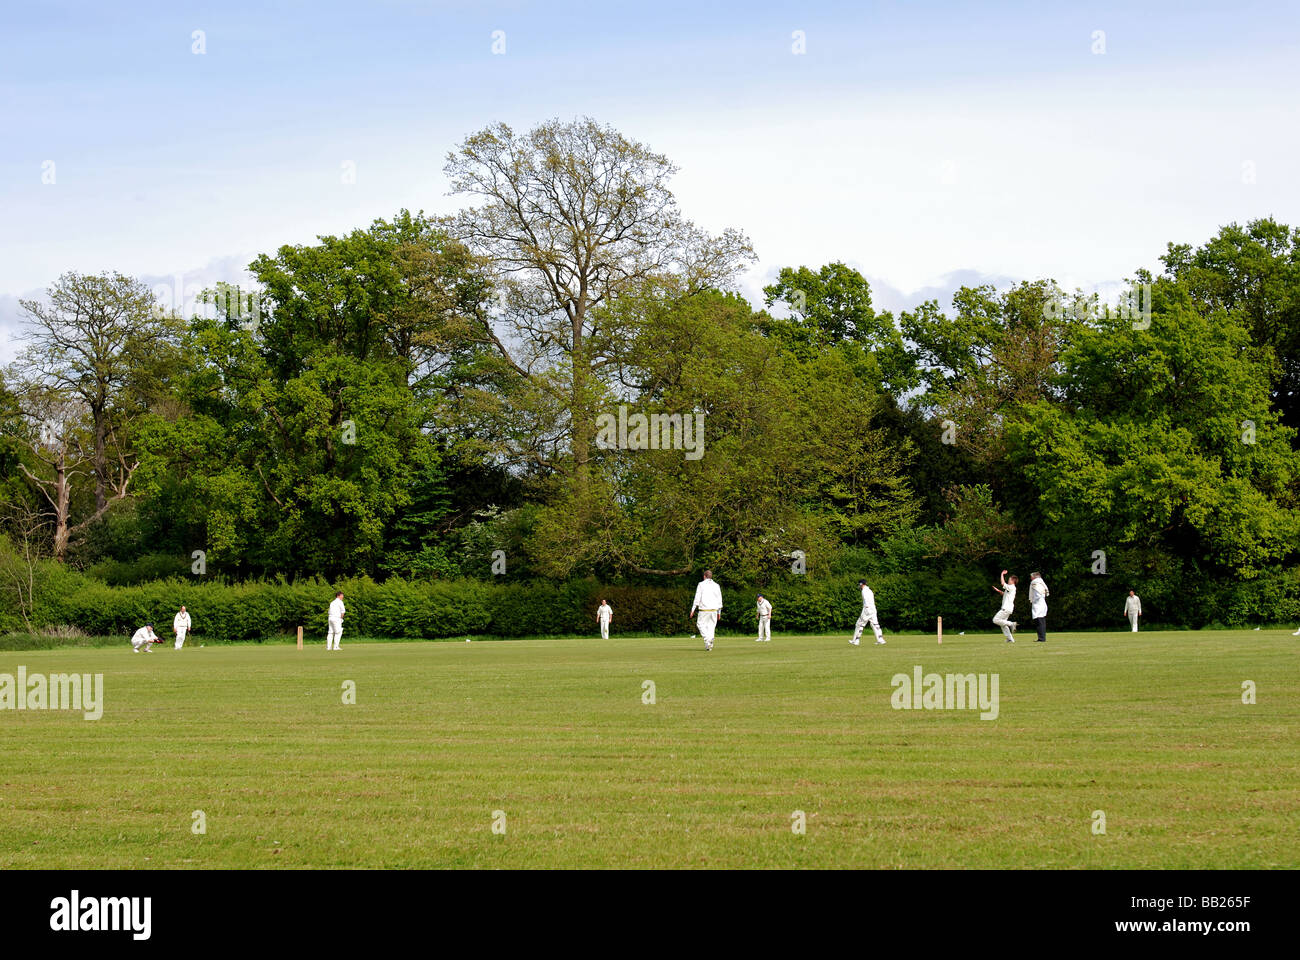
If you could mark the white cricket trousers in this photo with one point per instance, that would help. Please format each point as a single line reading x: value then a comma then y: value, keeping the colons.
x: 1133, y: 619
x: 868, y: 617
x: 707, y: 620
x: 335, y: 635
x: 1003, y: 619
x: 180, y: 637
x: 604, y: 629
x: 765, y: 628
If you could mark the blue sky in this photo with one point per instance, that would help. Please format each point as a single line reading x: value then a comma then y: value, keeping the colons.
x: 925, y: 143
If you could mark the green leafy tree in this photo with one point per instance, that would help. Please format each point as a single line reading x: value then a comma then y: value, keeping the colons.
x: 308, y: 434
x: 1165, y: 439
x: 832, y: 307
x: 1253, y: 271
x: 999, y: 352
x: 790, y: 460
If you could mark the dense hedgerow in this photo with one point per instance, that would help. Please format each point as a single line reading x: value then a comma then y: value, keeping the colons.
x: 436, y: 609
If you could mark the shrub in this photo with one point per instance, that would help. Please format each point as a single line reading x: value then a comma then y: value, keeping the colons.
x: 68, y: 603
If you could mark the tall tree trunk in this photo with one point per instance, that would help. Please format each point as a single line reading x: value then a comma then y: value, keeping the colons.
x: 62, y: 500
x: 583, y: 425
x: 101, y: 462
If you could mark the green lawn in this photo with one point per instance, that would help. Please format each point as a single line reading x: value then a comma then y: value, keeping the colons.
x: 1150, y: 729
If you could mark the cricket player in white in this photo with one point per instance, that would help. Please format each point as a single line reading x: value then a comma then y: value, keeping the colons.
x: 143, y: 638
x: 335, y: 635
x: 1003, y: 617
x: 1038, y: 594
x: 708, y: 601
x: 764, y: 620
x: 604, y: 614
x: 181, y: 626
x: 1133, y: 609
x: 868, y: 616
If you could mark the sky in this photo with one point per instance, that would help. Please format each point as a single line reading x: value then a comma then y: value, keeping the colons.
x: 926, y: 144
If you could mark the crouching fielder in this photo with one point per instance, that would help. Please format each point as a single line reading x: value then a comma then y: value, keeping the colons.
x: 142, y: 639
x: 764, y: 620
x: 604, y: 614
x: 181, y: 626
x: 335, y: 635
x: 708, y: 601
x: 868, y: 616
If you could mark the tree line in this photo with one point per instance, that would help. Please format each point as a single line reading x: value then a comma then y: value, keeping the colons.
x: 420, y: 399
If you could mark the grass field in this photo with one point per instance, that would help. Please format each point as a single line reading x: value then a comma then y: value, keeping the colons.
x: 1151, y: 729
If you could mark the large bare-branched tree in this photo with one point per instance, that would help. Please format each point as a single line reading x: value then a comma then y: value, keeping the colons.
x: 575, y: 216
x: 57, y: 433
x: 95, y: 354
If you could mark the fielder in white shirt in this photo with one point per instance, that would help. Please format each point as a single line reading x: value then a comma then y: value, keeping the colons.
x: 604, y: 614
x: 764, y: 620
x: 1038, y: 594
x: 143, y: 638
x: 708, y: 601
x: 181, y: 626
x: 1133, y: 609
x: 335, y: 635
x: 1003, y: 617
x: 868, y: 616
